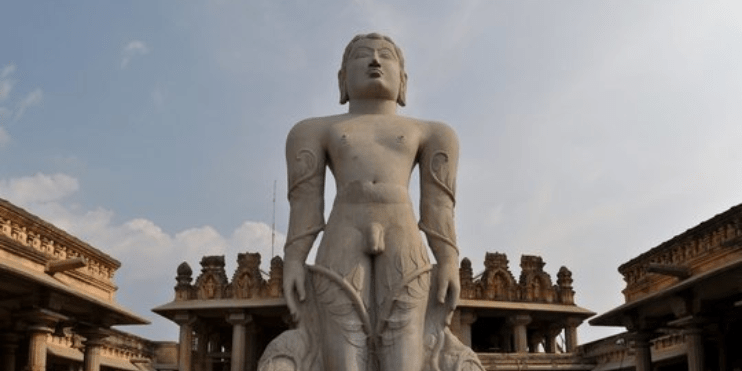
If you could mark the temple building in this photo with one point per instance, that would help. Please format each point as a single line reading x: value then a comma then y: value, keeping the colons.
x: 227, y: 323
x: 683, y: 308
x: 58, y: 307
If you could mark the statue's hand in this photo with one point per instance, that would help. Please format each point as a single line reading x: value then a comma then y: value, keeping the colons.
x: 449, y: 287
x: 293, y: 284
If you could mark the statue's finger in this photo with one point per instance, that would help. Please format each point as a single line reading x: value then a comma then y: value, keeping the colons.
x: 442, y: 293
x: 291, y: 303
x: 301, y: 291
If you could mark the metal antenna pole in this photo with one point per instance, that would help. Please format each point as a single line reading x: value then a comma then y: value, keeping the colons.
x: 273, y: 223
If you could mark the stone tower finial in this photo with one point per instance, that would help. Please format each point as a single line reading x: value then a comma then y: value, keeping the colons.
x: 564, y: 282
x: 184, y: 278
x: 466, y: 276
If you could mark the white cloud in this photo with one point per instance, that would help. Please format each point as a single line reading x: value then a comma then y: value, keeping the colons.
x: 158, y: 96
x: 4, y: 136
x: 5, y: 87
x: 7, y: 70
x: 38, y: 189
x: 5, y: 114
x: 32, y: 99
x: 131, y: 50
x: 6, y: 84
x: 149, y: 255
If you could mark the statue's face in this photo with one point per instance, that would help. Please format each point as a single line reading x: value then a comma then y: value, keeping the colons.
x: 373, y: 70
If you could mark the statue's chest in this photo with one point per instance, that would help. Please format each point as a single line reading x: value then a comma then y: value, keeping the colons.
x: 373, y: 139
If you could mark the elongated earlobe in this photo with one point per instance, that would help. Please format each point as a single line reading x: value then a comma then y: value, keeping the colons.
x: 402, y: 96
x: 344, y: 98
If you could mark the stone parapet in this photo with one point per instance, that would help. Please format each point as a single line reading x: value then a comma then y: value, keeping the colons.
x: 533, y: 361
x: 498, y: 283
x: 247, y: 282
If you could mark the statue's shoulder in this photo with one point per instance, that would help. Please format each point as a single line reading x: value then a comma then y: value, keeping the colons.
x: 317, y: 124
x: 312, y: 129
x: 437, y: 131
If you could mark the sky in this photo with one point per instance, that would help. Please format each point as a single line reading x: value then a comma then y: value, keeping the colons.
x: 590, y: 132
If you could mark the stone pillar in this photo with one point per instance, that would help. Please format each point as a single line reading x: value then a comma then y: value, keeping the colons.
x: 551, y: 339
x: 643, y: 353
x: 185, y: 320
x: 466, y: 319
x: 202, y: 344
x: 94, y: 340
x: 535, y: 340
x: 252, y: 356
x: 37, y: 346
x: 520, y: 332
x: 239, y: 321
x: 570, y: 334
x: 694, y: 347
x: 9, y: 345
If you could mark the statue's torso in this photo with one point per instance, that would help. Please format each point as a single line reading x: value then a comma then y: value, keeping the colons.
x: 371, y: 157
x: 378, y: 151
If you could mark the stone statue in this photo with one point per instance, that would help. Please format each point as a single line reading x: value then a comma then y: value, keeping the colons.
x: 372, y: 301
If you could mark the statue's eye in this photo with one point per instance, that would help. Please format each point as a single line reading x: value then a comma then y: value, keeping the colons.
x: 361, y: 54
x: 386, y: 54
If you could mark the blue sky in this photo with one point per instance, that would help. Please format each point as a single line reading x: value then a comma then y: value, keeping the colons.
x: 590, y: 131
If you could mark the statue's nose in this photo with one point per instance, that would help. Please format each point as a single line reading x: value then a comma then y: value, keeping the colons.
x: 374, y: 62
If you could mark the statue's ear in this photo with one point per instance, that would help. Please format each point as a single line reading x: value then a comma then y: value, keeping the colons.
x: 344, y: 98
x: 402, y: 96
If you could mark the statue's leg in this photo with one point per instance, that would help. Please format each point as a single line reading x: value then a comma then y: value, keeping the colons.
x: 342, y: 294
x: 403, y: 303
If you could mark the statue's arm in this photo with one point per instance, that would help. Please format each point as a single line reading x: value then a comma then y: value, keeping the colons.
x: 438, y: 163
x: 305, y: 161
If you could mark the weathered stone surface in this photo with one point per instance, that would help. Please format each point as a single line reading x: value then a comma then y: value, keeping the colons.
x: 371, y: 301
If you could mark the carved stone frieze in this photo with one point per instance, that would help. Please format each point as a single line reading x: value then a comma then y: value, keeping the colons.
x: 495, y: 283
x: 692, y: 251
x: 498, y: 283
x: 248, y: 281
x: 44, y: 242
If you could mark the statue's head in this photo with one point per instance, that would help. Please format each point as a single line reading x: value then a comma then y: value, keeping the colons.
x: 349, y: 50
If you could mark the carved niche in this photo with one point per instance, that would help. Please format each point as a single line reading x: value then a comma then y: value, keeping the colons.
x: 212, y: 282
x: 535, y: 284
x: 247, y: 281
x: 497, y: 283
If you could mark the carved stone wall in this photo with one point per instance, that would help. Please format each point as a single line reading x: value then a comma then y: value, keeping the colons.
x: 498, y: 283
x: 36, y: 242
x: 696, y: 250
x: 247, y: 281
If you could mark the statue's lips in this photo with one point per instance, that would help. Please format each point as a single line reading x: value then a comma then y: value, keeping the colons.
x: 375, y: 72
